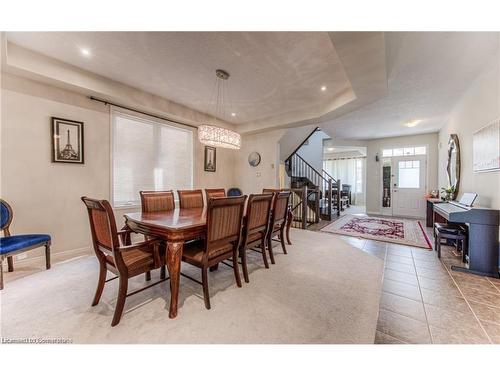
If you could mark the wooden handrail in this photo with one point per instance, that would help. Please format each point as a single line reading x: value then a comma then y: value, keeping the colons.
x: 302, y: 143
x: 314, y: 169
x: 329, y: 175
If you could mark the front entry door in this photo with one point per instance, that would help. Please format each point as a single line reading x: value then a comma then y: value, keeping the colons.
x: 409, y: 185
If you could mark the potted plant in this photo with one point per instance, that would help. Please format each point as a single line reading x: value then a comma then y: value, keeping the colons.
x: 448, y: 193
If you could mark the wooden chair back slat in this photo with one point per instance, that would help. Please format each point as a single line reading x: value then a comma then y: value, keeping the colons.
x: 280, y: 206
x: 215, y: 193
x: 258, y: 212
x: 155, y: 201
x: 190, y: 198
x: 103, y: 228
x: 224, y: 222
x: 270, y: 190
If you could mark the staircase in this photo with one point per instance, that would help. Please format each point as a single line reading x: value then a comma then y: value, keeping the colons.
x: 314, y: 194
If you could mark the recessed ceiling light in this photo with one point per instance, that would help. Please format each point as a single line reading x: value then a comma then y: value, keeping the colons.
x: 411, y: 124
x: 233, y: 114
x: 85, y: 52
x: 331, y: 149
x: 323, y: 88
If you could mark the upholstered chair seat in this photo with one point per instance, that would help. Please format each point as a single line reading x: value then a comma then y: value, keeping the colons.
x: 138, y: 261
x: 21, y: 241
x: 193, y: 251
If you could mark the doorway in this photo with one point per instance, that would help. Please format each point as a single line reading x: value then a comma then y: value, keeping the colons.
x: 404, y: 184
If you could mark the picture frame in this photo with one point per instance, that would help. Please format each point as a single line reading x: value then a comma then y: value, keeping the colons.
x: 210, y: 159
x: 67, y: 141
x: 486, y: 148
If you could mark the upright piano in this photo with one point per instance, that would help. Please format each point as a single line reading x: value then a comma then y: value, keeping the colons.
x: 483, y: 227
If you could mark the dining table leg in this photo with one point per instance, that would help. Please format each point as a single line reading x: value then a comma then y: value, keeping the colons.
x: 174, y: 257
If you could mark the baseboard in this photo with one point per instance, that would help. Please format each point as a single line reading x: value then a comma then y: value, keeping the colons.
x: 65, y: 255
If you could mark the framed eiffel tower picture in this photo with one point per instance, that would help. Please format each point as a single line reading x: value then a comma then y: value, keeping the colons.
x: 67, y: 141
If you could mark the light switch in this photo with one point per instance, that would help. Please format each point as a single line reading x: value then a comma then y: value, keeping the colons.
x: 257, y: 174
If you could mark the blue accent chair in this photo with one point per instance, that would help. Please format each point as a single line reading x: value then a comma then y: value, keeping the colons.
x: 12, y: 245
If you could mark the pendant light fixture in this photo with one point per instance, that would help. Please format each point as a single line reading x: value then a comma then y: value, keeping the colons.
x: 211, y: 134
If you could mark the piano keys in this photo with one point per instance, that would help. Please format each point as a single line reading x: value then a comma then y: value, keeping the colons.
x: 483, y: 226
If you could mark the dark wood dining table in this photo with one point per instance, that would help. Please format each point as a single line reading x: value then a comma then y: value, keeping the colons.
x: 176, y: 227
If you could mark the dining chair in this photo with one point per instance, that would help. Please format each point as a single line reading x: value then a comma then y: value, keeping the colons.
x: 270, y: 190
x: 214, y: 193
x: 289, y: 213
x: 224, y: 222
x: 12, y: 245
x: 234, y: 192
x: 190, y: 198
x: 255, y: 228
x: 116, y: 254
x: 157, y: 201
x: 154, y: 201
x: 278, y: 221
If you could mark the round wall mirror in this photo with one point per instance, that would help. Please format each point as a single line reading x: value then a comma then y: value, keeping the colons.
x: 254, y: 159
x: 453, y: 166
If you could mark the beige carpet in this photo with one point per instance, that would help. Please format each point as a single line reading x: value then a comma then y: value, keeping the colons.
x: 323, y: 291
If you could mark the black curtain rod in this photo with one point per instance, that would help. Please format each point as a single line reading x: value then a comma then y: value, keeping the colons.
x: 106, y: 102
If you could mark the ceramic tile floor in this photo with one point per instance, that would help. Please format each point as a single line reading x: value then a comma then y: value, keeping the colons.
x: 423, y: 301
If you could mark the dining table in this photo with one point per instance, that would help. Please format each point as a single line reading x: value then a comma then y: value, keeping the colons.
x: 176, y: 227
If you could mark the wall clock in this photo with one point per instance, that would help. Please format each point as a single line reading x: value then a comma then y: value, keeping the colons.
x: 254, y: 159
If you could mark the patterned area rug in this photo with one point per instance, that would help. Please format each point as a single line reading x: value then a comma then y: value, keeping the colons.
x: 403, y: 231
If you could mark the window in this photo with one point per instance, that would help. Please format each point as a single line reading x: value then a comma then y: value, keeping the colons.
x: 387, y: 153
x: 409, y: 151
x: 420, y: 150
x: 350, y: 171
x: 149, y: 155
x: 359, y: 175
x: 409, y: 174
x: 398, y: 152
x: 404, y: 151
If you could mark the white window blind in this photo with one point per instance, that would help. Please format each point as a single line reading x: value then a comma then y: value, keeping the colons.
x: 149, y: 155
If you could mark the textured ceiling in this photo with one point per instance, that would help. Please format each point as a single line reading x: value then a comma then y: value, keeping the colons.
x: 376, y: 81
x: 427, y: 74
x: 275, y: 77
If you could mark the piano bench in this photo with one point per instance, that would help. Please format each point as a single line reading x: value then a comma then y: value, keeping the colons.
x: 450, y: 232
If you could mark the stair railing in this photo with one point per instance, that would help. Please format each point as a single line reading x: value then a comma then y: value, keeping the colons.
x: 337, y: 186
x: 304, y: 174
x: 305, y: 207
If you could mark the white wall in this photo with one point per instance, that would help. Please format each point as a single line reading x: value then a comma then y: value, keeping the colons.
x: 312, y: 152
x: 373, y: 168
x: 477, y: 107
x: 251, y: 180
x: 292, y: 138
x: 45, y: 196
